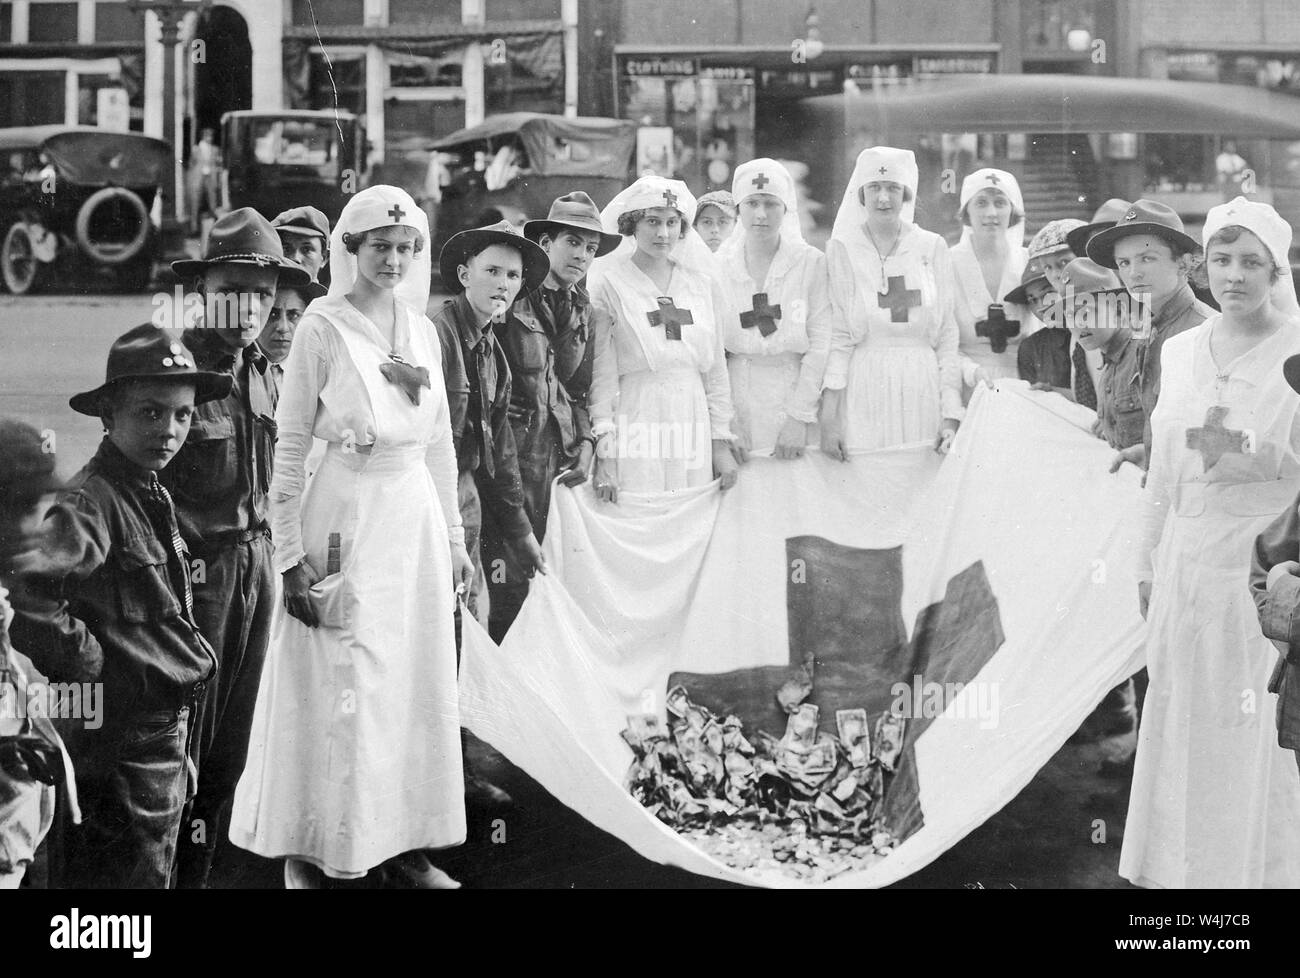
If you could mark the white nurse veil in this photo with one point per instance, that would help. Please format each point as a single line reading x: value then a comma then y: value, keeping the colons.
x: 988, y: 178
x: 650, y: 191
x: 1271, y: 228
x: 765, y: 176
x: 876, y: 163
x: 376, y: 207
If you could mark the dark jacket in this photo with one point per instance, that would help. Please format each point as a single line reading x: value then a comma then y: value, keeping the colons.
x: 105, y: 603
x: 478, y: 396
x: 1279, y: 617
x: 1119, y: 396
x: 550, y: 367
x: 220, y: 478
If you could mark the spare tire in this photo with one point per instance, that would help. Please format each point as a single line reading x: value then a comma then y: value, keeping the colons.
x: 112, y: 226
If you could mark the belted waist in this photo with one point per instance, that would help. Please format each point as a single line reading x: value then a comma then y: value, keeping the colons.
x: 376, y: 456
x: 1233, y: 499
x: 232, y: 538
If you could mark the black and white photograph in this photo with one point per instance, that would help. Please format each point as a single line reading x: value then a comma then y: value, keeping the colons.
x: 649, y: 445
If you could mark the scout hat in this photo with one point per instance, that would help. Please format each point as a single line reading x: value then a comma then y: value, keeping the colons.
x: 1053, y: 237
x: 243, y: 237
x: 461, y: 246
x: 26, y: 468
x: 578, y: 211
x: 311, y: 289
x: 1084, y: 275
x: 306, y: 220
x: 1104, y: 217
x: 1020, y: 294
x: 150, y: 352
x: 1144, y: 217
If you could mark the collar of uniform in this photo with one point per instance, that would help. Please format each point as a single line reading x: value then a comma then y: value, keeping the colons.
x: 1174, y: 306
x: 1119, y: 348
x: 110, y: 460
x: 467, y: 325
x: 210, y: 353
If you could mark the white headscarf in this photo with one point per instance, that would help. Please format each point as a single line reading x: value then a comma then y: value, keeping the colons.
x: 882, y: 163
x: 991, y: 179
x: 648, y: 192
x: 380, y: 207
x: 1266, y: 224
x: 767, y: 176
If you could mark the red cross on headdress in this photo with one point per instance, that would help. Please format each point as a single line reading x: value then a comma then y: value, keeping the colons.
x: 396, y: 213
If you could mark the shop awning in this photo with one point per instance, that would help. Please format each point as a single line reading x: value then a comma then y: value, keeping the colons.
x: 1065, y: 104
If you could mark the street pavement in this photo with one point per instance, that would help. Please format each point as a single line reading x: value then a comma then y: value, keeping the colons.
x: 1063, y: 830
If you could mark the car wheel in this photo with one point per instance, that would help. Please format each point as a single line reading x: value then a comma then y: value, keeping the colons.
x: 112, y: 226
x: 20, y: 269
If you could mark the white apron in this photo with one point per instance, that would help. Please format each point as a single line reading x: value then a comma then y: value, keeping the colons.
x: 1215, y: 801
x: 355, y: 750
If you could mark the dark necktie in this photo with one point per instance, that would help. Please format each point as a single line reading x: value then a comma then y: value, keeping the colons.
x: 162, y: 501
x: 561, y: 306
x: 255, y: 359
x: 1084, y: 391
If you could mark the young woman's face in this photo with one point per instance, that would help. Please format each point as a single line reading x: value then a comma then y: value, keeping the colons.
x: 658, y: 232
x: 761, y: 215
x: 385, y: 255
x: 1240, y: 273
x: 883, y: 200
x: 989, y: 211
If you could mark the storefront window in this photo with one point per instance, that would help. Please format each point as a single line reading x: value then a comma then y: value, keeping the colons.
x: 1053, y: 26
x: 418, y: 71
x: 693, y: 128
x: 423, y: 11
x: 341, y: 79
x: 525, y: 75
x: 333, y: 13
x: 52, y: 23
x: 116, y: 23
x: 6, y: 24
x: 523, y: 10
x: 31, y: 98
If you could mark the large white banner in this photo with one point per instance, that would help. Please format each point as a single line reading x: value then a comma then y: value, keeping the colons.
x: 994, y: 586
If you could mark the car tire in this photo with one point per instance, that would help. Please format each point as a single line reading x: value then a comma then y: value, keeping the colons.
x: 20, y: 269
x: 112, y: 254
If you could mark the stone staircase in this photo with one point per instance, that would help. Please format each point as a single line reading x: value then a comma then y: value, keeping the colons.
x: 1060, y: 179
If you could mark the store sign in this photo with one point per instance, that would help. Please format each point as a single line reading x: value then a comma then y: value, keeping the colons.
x: 979, y: 64
x: 727, y: 73
x: 821, y: 81
x: 659, y: 67
x: 879, y: 69
x: 113, y: 109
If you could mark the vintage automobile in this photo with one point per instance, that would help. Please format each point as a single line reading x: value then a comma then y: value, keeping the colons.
x: 519, y: 162
x: 78, y: 198
x: 275, y: 160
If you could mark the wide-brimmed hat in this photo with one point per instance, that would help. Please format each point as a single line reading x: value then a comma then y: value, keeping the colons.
x: 461, y: 246
x: 149, y: 352
x: 1144, y: 217
x: 1104, y: 217
x: 243, y: 237
x: 310, y: 289
x: 577, y: 211
x: 1020, y: 294
x: 27, y: 472
x: 1083, y: 275
x: 303, y: 220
